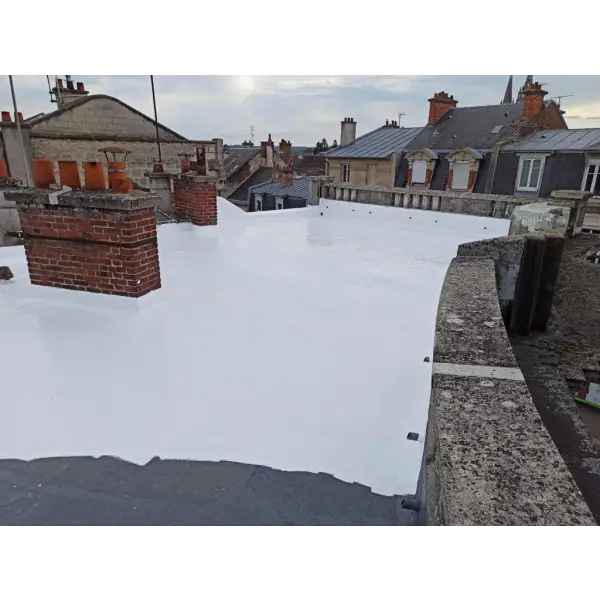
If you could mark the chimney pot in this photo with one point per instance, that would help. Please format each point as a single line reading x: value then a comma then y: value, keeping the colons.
x: 439, y: 105
x: 59, y: 83
x: 70, y: 85
x: 80, y: 87
x: 20, y: 117
x: 6, y: 117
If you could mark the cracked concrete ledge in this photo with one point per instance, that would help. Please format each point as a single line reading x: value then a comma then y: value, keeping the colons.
x: 489, y: 458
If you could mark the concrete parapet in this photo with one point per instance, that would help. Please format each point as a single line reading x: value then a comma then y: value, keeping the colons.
x: 489, y: 458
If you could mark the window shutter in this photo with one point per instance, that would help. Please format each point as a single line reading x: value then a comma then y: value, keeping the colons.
x: 460, y: 175
x: 419, y: 167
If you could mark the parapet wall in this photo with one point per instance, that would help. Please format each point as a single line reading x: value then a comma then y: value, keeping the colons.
x: 489, y: 458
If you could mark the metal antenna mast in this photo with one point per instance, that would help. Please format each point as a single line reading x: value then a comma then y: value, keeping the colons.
x: 23, y: 155
x: 252, y: 134
x: 400, y: 115
x: 559, y: 98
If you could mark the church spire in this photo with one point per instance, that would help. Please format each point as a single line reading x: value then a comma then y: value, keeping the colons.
x: 508, y: 99
x: 528, y: 82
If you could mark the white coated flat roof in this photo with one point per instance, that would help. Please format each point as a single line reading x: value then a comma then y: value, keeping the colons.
x: 286, y: 339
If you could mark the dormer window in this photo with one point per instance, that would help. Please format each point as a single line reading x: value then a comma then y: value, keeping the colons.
x: 463, y: 168
x: 531, y: 169
x: 419, y: 170
x: 591, y: 180
x: 421, y: 164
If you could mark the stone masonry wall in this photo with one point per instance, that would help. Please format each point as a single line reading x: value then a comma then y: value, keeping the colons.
x: 102, y: 116
x: 139, y: 162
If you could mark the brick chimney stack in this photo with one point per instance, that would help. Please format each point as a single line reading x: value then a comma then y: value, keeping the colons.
x: 266, y: 153
x: 285, y: 175
x: 533, y: 96
x: 65, y: 94
x: 439, y: 105
x: 285, y: 150
x: 348, y: 131
x: 90, y: 241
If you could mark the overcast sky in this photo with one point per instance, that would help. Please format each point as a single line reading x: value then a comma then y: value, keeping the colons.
x: 303, y: 109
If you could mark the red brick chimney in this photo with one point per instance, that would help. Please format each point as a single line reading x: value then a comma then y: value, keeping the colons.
x: 533, y: 101
x: 285, y: 150
x: 90, y: 241
x: 439, y: 106
x: 266, y: 153
x: 195, y: 198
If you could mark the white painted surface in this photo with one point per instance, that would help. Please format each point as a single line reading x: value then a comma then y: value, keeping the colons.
x: 287, y: 339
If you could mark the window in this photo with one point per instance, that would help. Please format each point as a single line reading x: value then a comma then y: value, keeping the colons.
x: 257, y: 202
x: 460, y: 175
x: 496, y: 129
x: 591, y: 181
x: 419, y: 168
x: 345, y: 173
x: 530, y: 173
x: 278, y: 203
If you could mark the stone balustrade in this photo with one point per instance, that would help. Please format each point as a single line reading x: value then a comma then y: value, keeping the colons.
x: 483, y: 205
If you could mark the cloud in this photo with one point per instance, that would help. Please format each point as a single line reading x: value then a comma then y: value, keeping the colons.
x: 302, y: 108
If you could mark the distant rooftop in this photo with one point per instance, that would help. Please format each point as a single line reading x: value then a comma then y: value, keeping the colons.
x: 298, y: 189
x: 380, y: 143
x: 564, y: 140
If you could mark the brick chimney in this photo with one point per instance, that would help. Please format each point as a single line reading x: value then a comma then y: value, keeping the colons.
x: 266, y: 153
x: 348, y: 131
x: 195, y: 198
x: 285, y: 150
x: 92, y: 241
x: 65, y: 94
x: 285, y: 175
x: 533, y: 100
x: 439, y: 105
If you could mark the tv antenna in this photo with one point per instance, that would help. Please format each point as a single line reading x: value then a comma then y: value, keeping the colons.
x: 400, y: 115
x: 252, y: 134
x: 559, y: 98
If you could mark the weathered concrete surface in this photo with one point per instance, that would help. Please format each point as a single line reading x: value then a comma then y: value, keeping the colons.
x: 506, y: 252
x: 538, y: 217
x: 490, y: 460
x: 109, y: 491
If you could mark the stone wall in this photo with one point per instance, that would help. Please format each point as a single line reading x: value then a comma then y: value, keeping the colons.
x: 364, y: 171
x: 484, y: 205
x: 489, y: 458
x: 139, y: 162
x: 102, y: 116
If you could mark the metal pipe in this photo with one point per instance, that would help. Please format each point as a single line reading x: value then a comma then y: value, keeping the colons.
x: 156, y: 119
x: 14, y: 99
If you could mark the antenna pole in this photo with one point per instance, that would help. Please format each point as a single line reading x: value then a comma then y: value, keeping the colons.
x: 252, y: 134
x: 24, y: 156
x: 156, y: 119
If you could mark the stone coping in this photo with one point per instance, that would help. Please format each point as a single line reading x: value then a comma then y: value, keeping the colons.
x: 97, y: 199
x: 490, y: 460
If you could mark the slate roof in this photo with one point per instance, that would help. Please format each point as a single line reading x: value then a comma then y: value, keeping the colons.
x: 309, y: 162
x: 564, y: 140
x: 240, y: 194
x: 108, y: 491
x: 380, y: 143
x: 470, y: 127
x: 298, y: 189
x: 237, y: 157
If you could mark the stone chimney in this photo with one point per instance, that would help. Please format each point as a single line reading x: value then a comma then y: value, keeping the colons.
x: 266, y: 153
x: 68, y: 91
x: 285, y: 175
x: 439, y: 105
x: 348, y: 132
x: 285, y: 150
x: 533, y: 100
x: 92, y: 241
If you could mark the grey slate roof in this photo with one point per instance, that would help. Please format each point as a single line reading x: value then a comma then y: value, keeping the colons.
x: 237, y: 157
x: 298, y: 189
x: 470, y: 127
x: 240, y: 194
x: 108, y: 491
x: 380, y: 143
x: 574, y: 140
